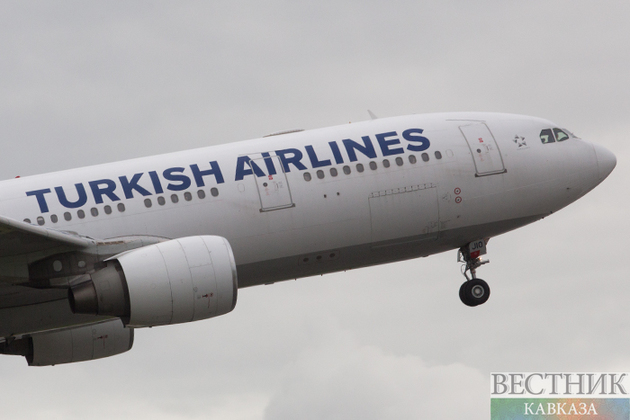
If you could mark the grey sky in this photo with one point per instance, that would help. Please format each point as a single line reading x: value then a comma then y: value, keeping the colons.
x: 87, y: 82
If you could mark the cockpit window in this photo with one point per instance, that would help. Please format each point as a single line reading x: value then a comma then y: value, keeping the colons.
x: 546, y: 136
x: 549, y: 135
x: 560, y: 135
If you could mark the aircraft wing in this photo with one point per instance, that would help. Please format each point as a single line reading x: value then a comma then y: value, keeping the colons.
x: 20, y: 238
x: 17, y: 238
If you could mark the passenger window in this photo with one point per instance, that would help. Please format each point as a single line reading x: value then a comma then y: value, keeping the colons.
x: 399, y: 161
x: 386, y: 163
x: 40, y: 220
x: 27, y: 220
x: 373, y: 165
x: 174, y: 198
x: 425, y: 157
x: 560, y: 135
x: 412, y: 159
x: 147, y: 203
x: 187, y: 196
x: 161, y: 201
x: 546, y: 136
x: 346, y: 170
x: 53, y: 218
x: 333, y: 172
x: 67, y: 216
x: 214, y: 192
x: 307, y: 176
x: 94, y: 211
x: 121, y: 207
x: 320, y: 174
x: 108, y: 209
x: 201, y: 194
x: 80, y: 214
x: 359, y: 167
x: 438, y: 155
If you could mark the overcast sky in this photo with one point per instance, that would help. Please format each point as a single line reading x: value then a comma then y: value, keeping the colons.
x: 91, y: 82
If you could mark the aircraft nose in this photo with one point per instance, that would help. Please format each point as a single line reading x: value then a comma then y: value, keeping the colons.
x: 606, y: 161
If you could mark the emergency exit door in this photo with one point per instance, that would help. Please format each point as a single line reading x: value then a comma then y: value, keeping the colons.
x: 484, y: 149
x: 273, y: 187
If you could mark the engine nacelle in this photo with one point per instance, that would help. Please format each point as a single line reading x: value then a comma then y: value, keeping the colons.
x: 78, y: 344
x: 172, y: 282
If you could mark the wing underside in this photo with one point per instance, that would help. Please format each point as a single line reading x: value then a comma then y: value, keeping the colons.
x: 20, y: 238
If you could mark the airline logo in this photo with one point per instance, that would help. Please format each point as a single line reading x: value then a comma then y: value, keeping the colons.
x: 180, y: 178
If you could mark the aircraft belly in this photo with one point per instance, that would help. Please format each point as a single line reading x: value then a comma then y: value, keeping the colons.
x: 368, y: 254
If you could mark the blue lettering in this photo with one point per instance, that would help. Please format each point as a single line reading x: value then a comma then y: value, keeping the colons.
x: 174, y: 174
x: 293, y: 160
x: 214, y: 170
x: 41, y: 200
x: 271, y: 168
x: 314, y: 160
x: 336, y: 152
x: 157, y: 185
x: 108, y: 189
x: 389, y: 142
x: 411, y: 135
x: 386, y: 144
x: 129, y: 186
x: 81, y: 200
x: 367, y: 148
x: 241, y: 172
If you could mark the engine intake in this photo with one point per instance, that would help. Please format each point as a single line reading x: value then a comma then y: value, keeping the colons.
x: 172, y: 282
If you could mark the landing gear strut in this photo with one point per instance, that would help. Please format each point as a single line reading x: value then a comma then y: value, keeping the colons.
x: 474, y: 291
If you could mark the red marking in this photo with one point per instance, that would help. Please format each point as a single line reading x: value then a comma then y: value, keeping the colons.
x: 458, y: 200
x: 480, y: 140
x: 102, y: 337
x: 208, y: 295
x: 474, y: 254
x: 457, y: 191
x: 270, y: 178
x: 17, y: 176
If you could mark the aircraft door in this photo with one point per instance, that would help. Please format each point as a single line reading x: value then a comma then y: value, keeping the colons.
x: 273, y: 187
x: 484, y: 149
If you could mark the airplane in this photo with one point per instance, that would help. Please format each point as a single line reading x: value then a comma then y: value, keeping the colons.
x: 87, y: 255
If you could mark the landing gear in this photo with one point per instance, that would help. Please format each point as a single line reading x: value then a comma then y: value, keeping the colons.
x: 474, y: 291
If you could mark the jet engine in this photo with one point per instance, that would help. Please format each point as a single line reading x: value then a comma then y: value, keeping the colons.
x: 172, y: 282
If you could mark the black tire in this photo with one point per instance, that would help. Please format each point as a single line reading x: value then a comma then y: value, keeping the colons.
x: 474, y: 292
x: 463, y: 294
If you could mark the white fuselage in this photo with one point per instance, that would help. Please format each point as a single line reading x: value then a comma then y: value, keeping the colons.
x: 429, y: 183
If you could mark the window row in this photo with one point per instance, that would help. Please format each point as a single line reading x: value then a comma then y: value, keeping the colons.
x: 107, y: 209
x: 187, y: 196
x: 373, y: 165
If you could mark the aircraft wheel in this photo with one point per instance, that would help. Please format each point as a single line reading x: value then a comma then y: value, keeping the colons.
x: 474, y: 292
x: 462, y: 294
